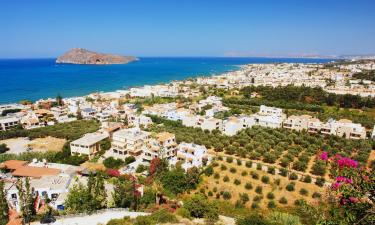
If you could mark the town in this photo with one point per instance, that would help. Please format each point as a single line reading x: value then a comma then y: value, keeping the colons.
x: 130, y: 136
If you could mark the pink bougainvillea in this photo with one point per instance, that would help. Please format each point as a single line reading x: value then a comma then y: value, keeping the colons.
x: 113, y: 172
x: 342, y: 179
x: 324, y: 156
x: 343, y: 162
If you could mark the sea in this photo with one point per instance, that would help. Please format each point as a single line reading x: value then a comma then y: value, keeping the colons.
x: 34, y: 79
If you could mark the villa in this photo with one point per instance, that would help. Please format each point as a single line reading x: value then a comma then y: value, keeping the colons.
x: 88, y: 145
x: 191, y: 155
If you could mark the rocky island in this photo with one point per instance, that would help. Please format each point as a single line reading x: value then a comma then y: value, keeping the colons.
x: 84, y: 56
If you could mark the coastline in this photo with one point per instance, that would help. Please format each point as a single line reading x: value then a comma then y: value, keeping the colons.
x: 110, y: 78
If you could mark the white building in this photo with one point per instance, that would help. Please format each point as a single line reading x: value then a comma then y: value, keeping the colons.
x: 344, y: 128
x: 7, y: 123
x: 232, y: 126
x: 191, y: 155
x: 373, y: 133
x: 297, y: 123
x: 128, y: 142
x: 53, y: 188
x: 207, y: 123
x: 163, y: 145
x: 88, y: 144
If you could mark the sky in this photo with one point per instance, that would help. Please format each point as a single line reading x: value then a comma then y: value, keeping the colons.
x: 47, y: 28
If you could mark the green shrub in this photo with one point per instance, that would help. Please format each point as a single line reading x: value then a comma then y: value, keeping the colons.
x: 244, y: 173
x: 320, y: 181
x: 293, y: 176
x: 290, y: 187
x: 316, y: 195
x: 248, y: 164
x: 265, y: 179
x: 299, y: 202
x: 271, y: 170
x: 255, y: 176
x: 239, y: 162
x: 248, y: 186
x: 304, y: 192
x: 227, y: 195
x: 270, y: 195
x: 209, y: 171
x: 259, y: 166
x: 223, y: 167
x: 229, y: 159
x: 232, y: 170
x: 113, y: 163
x: 259, y: 189
x: 271, y: 204
x: 254, y: 205
x: 257, y: 198
x: 184, y: 213
x: 283, y: 172
x: 307, y: 179
x: 244, y: 197
x: 216, y: 175
x: 237, y: 182
x: 226, y: 178
x: 283, y: 201
x: 283, y: 218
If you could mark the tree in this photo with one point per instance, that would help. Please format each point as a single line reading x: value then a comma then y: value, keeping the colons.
x: 113, y: 163
x: 78, y: 199
x: 87, y: 198
x: 123, y: 193
x: 199, y: 207
x: 26, y: 200
x: 4, y: 209
x: 3, y: 148
x: 59, y: 100
x: 96, y: 188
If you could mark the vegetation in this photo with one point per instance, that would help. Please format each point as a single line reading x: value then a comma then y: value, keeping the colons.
x: 4, y: 209
x: 70, y: 131
x: 3, y: 148
x: 87, y: 198
x: 113, y: 163
x: 285, y: 147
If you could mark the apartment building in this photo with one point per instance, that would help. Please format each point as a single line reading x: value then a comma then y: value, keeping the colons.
x: 344, y: 128
x: 7, y: 123
x: 191, y: 155
x: 232, y: 126
x: 128, y: 142
x: 162, y: 145
x: 88, y: 145
x: 297, y: 123
x: 209, y: 123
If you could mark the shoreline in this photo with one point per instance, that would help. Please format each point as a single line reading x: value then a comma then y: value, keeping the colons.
x: 235, y: 67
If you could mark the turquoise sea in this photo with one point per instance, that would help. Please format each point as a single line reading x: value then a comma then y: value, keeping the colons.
x: 34, y: 79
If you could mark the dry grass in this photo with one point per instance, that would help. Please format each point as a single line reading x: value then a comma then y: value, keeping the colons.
x: 93, y: 166
x: 209, y: 183
x: 47, y: 144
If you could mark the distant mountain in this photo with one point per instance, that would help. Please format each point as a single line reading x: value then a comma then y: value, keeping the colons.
x: 84, y: 56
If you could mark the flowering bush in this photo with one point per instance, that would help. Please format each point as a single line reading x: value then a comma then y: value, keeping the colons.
x: 113, y: 172
x: 352, y: 195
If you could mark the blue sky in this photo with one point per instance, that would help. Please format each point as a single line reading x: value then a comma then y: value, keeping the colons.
x: 36, y: 28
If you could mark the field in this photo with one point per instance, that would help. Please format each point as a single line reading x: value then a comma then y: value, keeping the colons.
x: 20, y: 145
x: 216, y: 186
x: 47, y: 144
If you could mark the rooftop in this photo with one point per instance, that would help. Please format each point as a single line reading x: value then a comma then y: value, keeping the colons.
x: 90, y: 139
